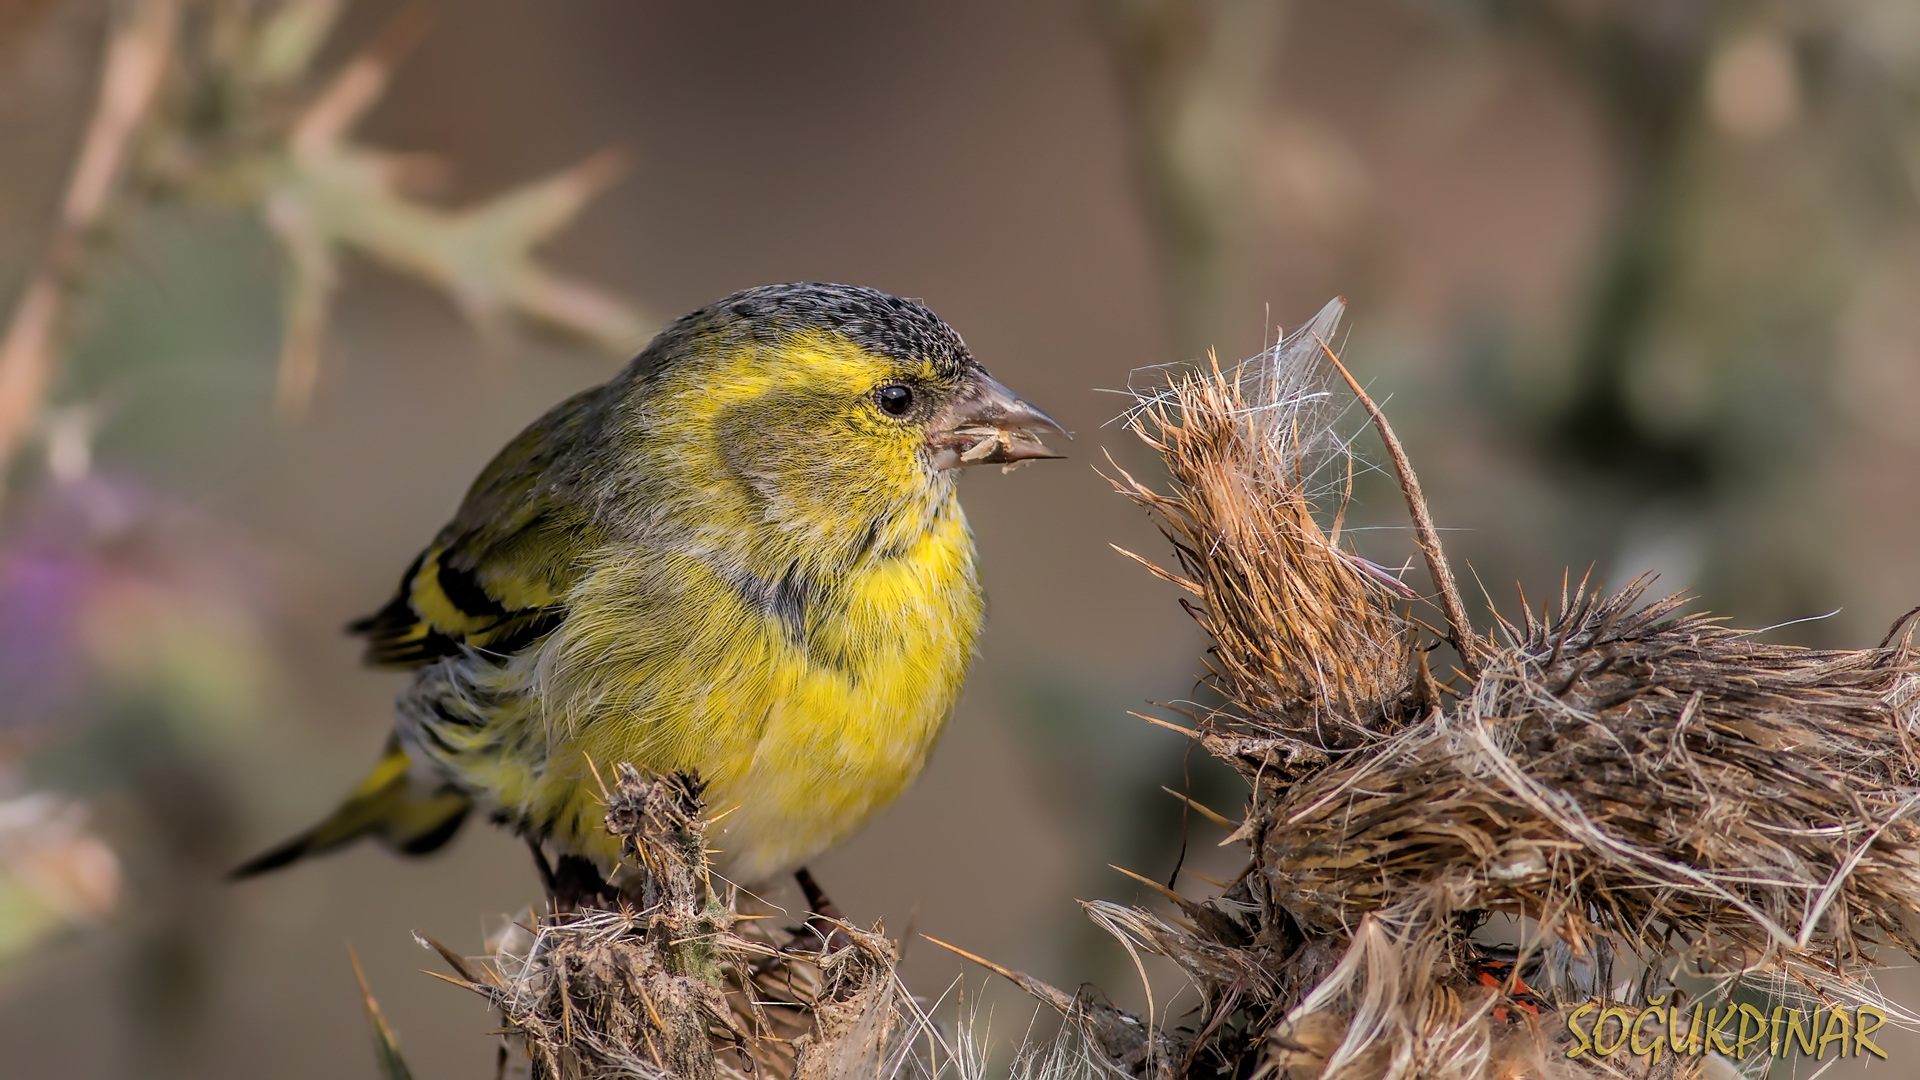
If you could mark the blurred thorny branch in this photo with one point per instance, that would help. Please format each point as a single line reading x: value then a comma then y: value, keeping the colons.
x: 1742, y: 295
x: 217, y: 102
x: 136, y: 57
x: 130, y: 627
x: 1746, y: 281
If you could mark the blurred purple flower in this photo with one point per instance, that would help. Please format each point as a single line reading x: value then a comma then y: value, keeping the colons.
x: 101, y: 581
x: 40, y: 665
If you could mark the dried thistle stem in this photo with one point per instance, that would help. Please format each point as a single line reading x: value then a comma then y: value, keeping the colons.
x: 1458, y: 627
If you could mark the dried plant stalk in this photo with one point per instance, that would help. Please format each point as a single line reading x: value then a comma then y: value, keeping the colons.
x: 1646, y: 790
x: 672, y: 981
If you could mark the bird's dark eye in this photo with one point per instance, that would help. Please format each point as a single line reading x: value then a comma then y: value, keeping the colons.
x: 895, y: 399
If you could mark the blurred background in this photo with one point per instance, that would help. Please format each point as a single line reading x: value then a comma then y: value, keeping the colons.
x: 1639, y: 283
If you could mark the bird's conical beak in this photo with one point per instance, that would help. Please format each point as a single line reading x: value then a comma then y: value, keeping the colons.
x: 986, y: 424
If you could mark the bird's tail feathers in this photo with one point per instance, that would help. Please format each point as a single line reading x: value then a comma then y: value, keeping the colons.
x: 391, y: 804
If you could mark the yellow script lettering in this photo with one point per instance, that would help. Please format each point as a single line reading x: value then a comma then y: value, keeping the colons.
x: 1715, y: 1024
x: 1657, y: 1014
x: 1744, y: 1040
x: 1805, y: 1038
x: 1585, y: 1044
x: 1860, y: 1031
x: 1611, y: 1012
x: 1837, y: 1017
x: 1676, y: 1041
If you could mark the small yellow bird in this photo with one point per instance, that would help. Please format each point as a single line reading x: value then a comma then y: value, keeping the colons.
x: 743, y: 556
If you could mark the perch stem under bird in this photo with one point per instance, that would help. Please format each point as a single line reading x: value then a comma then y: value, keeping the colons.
x: 678, y: 983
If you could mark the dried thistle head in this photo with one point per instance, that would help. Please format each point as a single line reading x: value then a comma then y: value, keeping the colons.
x: 658, y: 822
x: 675, y: 981
x: 1625, y: 770
x: 1306, y: 642
x: 1630, y: 782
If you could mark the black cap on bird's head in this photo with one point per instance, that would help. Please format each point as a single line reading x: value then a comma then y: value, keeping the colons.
x: 974, y: 420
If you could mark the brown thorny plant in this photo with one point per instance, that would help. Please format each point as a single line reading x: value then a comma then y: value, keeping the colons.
x: 1661, y: 805
x: 674, y: 981
x: 226, y: 105
x: 1642, y: 789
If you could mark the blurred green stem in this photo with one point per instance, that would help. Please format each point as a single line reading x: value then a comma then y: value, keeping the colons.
x: 1192, y: 74
x: 1646, y: 87
x: 138, y: 48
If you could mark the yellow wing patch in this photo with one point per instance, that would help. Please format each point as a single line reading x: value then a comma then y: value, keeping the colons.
x: 440, y: 610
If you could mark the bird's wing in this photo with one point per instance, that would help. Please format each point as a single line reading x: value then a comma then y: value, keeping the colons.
x: 496, y: 578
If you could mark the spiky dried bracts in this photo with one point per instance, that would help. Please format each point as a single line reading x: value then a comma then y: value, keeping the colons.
x: 666, y: 977
x: 1655, y: 799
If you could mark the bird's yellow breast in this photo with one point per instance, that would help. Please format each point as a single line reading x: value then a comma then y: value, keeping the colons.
x: 807, y: 704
